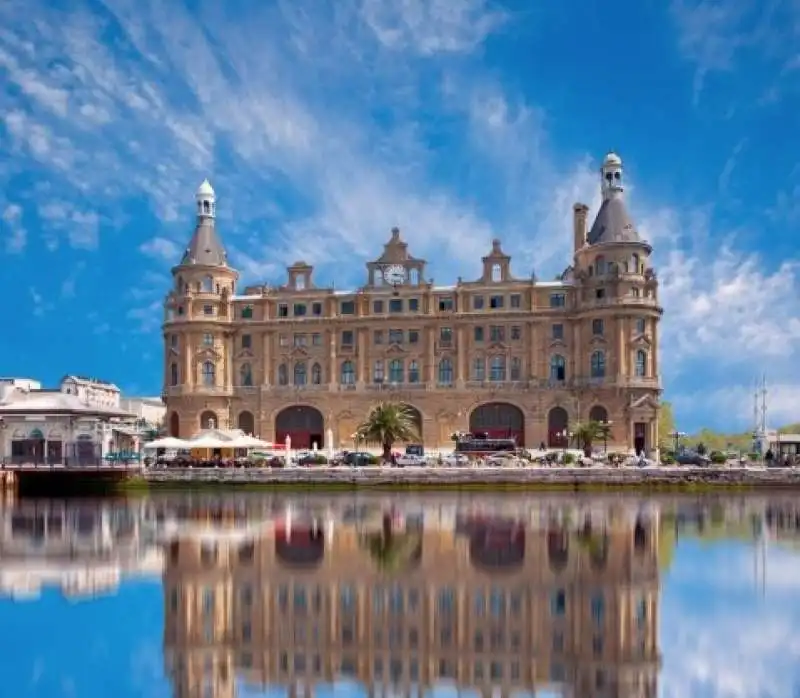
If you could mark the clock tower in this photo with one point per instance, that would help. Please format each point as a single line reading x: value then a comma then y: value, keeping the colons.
x: 395, y: 267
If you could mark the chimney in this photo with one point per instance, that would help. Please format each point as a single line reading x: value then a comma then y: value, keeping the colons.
x: 580, y: 213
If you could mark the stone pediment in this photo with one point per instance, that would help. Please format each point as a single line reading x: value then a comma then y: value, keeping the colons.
x: 598, y: 340
x: 208, y: 353
x: 245, y: 354
x: 646, y: 401
x: 394, y: 350
x: 299, y: 353
x: 642, y: 341
x: 497, y: 346
x: 173, y: 351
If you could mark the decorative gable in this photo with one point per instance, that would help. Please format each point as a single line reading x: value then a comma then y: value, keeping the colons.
x: 208, y: 354
x: 642, y: 341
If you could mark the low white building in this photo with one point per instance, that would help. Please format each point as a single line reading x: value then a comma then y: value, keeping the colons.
x: 148, y: 410
x: 79, y: 423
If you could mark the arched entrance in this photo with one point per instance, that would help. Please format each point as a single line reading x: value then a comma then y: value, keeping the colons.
x: 247, y: 422
x: 497, y: 544
x: 557, y: 425
x: 416, y: 419
x: 208, y: 420
x: 300, y: 545
x: 598, y: 413
x: 175, y: 425
x: 498, y: 420
x: 303, y: 424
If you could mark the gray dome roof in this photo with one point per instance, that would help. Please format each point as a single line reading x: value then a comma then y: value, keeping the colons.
x: 613, y: 224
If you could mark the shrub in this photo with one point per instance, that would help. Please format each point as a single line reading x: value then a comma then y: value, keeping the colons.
x: 668, y: 459
x: 373, y: 460
x: 718, y: 457
x: 753, y: 456
x: 569, y: 458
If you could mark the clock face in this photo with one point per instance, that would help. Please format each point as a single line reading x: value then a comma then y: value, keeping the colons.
x: 394, y: 274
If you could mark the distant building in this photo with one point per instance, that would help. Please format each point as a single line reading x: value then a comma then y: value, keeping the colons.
x: 149, y: 411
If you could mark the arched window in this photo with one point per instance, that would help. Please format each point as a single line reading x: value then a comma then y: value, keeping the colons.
x: 209, y: 373
x: 283, y: 375
x: 396, y: 371
x: 348, y: 373
x: 479, y: 369
x: 246, y: 374
x: 208, y: 284
x: 316, y: 374
x: 300, y: 375
x: 445, y: 372
x: 516, y: 368
x: 641, y: 363
x: 413, y: 372
x: 598, y: 364
x: 414, y: 277
x: 558, y: 368
x: 173, y: 374
x: 600, y: 265
x: 635, y: 264
x: 497, y: 273
x: 377, y: 371
x: 497, y: 368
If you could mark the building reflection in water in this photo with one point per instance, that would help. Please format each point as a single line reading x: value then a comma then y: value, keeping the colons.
x: 401, y: 604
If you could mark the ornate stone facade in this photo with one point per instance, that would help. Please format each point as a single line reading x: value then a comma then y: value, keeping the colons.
x: 500, y: 354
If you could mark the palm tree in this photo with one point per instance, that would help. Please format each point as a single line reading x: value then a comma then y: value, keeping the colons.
x: 586, y: 433
x: 386, y: 424
x: 391, y: 550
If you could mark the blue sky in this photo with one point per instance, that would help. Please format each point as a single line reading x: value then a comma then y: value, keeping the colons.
x: 321, y: 125
x: 720, y: 637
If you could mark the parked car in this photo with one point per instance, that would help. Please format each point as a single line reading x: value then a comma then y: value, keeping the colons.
x: 410, y: 460
x: 692, y: 458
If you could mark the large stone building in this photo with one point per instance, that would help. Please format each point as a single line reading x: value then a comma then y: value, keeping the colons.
x: 492, y: 606
x: 499, y: 354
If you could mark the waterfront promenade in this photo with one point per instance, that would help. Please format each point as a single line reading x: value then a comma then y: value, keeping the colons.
x: 433, y: 477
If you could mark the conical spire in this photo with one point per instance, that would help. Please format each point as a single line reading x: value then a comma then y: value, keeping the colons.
x: 613, y: 222
x: 205, y: 247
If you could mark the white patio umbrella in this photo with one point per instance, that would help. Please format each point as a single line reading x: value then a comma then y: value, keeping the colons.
x: 209, y: 442
x: 249, y: 442
x: 167, y: 442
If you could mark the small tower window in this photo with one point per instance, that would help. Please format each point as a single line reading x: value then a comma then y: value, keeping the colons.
x: 206, y: 207
x: 414, y: 277
x: 497, y: 273
x: 173, y: 378
x: 208, y: 284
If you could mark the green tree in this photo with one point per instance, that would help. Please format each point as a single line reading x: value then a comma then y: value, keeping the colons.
x: 666, y: 425
x: 585, y: 434
x: 387, y: 424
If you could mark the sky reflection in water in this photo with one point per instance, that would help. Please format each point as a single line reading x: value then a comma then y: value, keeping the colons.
x: 84, y: 606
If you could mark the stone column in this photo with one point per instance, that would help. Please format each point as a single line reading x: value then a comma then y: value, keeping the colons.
x: 622, y: 348
x: 229, y: 351
x: 333, y: 364
x: 266, y: 359
x: 577, y: 352
x: 533, y: 354
x: 461, y: 349
x: 188, y: 372
x: 430, y: 354
x: 654, y: 350
x: 362, y: 376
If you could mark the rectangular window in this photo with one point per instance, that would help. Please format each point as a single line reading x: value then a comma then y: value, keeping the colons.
x: 396, y: 305
x: 599, y: 293
x: 173, y: 341
x: 413, y: 305
x: 477, y: 333
x: 300, y: 340
x: 558, y: 300
x: 247, y: 341
x: 247, y: 312
x: 446, y: 336
x: 283, y: 340
x: 299, y: 310
x: 316, y: 339
x: 395, y: 336
x: 377, y: 337
x: 640, y: 325
x: 208, y: 310
x: 557, y: 331
x: 208, y: 339
x: 516, y: 333
x: 478, y: 369
x: 377, y: 307
x: 413, y: 336
x: 445, y: 304
x: 516, y: 301
x: 496, y: 302
x: 477, y: 302
x: 347, y: 308
x: 497, y: 333
x: 347, y: 338
x: 283, y: 310
x: 597, y: 327
x: 316, y: 309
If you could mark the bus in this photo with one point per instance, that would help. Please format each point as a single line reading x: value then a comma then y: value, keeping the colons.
x: 477, y: 446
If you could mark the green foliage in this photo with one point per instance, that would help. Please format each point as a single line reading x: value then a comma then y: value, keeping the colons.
x: 668, y: 458
x: 666, y: 423
x: 584, y: 434
x: 569, y: 458
x: 718, y: 457
x: 386, y: 424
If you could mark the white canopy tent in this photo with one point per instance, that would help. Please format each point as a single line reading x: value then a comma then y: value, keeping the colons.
x: 249, y: 442
x: 169, y: 442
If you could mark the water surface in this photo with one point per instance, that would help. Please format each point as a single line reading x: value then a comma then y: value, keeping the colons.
x: 204, y: 596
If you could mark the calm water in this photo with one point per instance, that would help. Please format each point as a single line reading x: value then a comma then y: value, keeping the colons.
x: 257, y: 595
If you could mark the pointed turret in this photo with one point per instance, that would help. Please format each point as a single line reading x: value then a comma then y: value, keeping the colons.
x: 205, y: 248
x: 613, y: 222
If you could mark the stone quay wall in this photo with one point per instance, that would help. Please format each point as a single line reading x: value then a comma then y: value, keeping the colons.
x: 487, y: 477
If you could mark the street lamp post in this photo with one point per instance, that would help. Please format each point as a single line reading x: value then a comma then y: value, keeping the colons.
x: 676, y: 438
x: 565, y: 435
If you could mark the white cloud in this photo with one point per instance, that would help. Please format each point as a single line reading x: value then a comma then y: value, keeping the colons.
x: 162, y: 249
x: 17, y: 236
